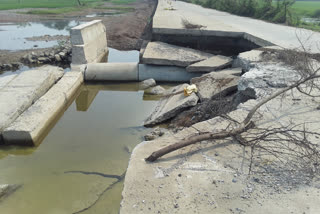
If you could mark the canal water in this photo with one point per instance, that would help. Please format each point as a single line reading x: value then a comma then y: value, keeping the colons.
x: 15, y: 35
x: 81, y: 162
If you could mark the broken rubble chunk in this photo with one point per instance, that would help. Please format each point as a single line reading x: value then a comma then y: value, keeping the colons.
x: 147, y: 84
x: 7, y: 189
x: 214, y: 63
x: 247, y: 59
x: 157, y: 90
x: 215, y: 84
x: 169, y: 106
x: 159, y: 53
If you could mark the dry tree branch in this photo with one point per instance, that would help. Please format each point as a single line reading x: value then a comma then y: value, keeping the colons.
x: 244, y: 126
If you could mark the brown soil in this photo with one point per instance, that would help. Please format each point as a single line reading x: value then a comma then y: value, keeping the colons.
x: 124, y: 31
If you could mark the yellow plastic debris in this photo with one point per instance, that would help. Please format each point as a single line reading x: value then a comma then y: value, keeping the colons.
x: 190, y: 89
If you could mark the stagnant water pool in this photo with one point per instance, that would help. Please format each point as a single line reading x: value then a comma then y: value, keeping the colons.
x: 84, y: 156
x: 16, y: 34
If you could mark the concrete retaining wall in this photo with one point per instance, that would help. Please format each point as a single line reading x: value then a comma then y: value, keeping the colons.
x: 31, y: 127
x: 225, y: 43
x: 6, y: 79
x: 19, y: 94
x: 89, y: 43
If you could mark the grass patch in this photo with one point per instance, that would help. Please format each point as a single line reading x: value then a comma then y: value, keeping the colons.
x: 53, y: 11
x: 122, y: 1
x: 314, y: 27
x: 306, y: 8
x: 20, y: 4
x: 125, y: 9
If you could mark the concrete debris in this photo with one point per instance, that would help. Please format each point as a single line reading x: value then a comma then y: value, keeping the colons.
x: 247, y: 60
x: 157, y: 90
x: 214, y: 63
x: 159, y: 53
x: 147, y: 84
x: 215, y: 84
x: 170, y: 106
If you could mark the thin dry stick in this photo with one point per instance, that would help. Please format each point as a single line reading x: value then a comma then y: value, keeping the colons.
x: 244, y: 126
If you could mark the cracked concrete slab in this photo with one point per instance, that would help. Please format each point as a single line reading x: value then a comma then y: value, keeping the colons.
x: 159, y: 53
x: 25, y: 89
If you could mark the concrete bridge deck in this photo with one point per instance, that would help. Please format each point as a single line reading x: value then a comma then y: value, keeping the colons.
x: 169, y: 15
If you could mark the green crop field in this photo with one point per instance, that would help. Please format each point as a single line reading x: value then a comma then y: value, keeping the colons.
x: 306, y: 8
x: 17, y: 4
x: 67, y: 5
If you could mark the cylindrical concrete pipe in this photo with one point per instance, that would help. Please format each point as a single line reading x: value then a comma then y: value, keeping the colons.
x: 111, y: 72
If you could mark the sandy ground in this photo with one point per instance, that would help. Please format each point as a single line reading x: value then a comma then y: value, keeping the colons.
x: 124, y: 31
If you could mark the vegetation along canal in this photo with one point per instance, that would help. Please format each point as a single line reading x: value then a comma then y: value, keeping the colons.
x: 86, y: 152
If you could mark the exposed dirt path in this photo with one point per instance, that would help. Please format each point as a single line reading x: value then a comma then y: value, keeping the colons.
x: 124, y: 31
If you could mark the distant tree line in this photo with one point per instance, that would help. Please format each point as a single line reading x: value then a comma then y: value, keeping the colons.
x: 260, y: 9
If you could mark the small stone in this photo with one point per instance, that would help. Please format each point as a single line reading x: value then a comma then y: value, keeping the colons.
x: 234, y: 180
x: 62, y: 54
x: 147, y: 84
x: 256, y: 180
x: 176, y: 205
x: 157, y: 90
x: 57, y: 58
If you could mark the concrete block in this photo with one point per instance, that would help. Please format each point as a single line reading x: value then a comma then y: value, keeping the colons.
x: 159, y: 53
x: 90, y: 52
x: 111, y: 72
x: 246, y: 60
x: 87, y: 32
x: 214, y: 63
x: 25, y: 89
x: 165, y: 73
x: 31, y: 126
x: 215, y: 84
x: 170, y: 106
x: 89, y: 42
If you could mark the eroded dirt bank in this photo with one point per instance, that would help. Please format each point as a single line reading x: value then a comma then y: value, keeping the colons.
x: 124, y: 30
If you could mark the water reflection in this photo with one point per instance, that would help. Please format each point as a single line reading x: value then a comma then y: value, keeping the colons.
x: 15, y: 35
x: 95, y: 141
x: 85, y: 98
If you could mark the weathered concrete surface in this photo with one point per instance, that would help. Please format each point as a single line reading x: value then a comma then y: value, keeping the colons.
x: 111, y: 72
x: 147, y: 84
x: 24, y: 90
x: 29, y: 127
x: 159, y: 53
x: 264, y: 78
x: 224, y: 24
x: 215, y: 84
x: 248, y: 59
x: 232, y: 71
x: 214, y: 63
x: 89, y: 43
x: 4, y: 80
x: 212, y: 176
x: 157, y: 90
x: 165, y: 73
x: 170, y: 106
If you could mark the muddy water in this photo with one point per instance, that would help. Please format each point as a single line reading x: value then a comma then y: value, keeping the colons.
x: 15, y: 35
x: 82, y: 157
x: 95, y: 135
